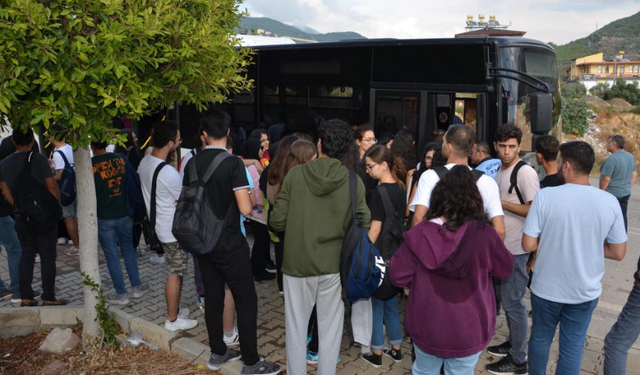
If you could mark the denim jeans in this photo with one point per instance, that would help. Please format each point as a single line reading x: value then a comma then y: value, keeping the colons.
x: 386, y: 311
x: 9, y: 239
x: 512, y: 292
x: 427, y: 364
x: 110, y: 234
x: 574, y: 320
x: 624, y: 204
x: 622, y: 336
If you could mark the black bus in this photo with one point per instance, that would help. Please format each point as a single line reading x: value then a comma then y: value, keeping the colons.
x: 419, y: 85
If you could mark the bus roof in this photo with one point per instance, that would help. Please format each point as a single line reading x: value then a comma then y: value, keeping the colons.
x: 504, y: 41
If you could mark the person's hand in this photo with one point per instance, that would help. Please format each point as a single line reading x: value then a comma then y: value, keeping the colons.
x: 530, y: 264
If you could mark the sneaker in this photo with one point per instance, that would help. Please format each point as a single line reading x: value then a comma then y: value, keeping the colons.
x: 281, y: 292
x: 233, y: 340
x: 261, y: 367
x: 312, y: 358
x: 396, y: 355
x: 6, y: 295
x: 54, y: 302
x: 500, y: 350
x: 216, y: 361
x: 28, y: 303
x: 70, y: 243
x: 140, y: 290
x: 37, y: 259
x: 181, y: 324
x: 183, y: 312
x: 156, y: 259
x: 271, y: 268
x: 62, y: 241
x: 200, y: 303
x: 373, y: 359
x: 72, y: 251
x: 118, y: 299
x: 507, y: 366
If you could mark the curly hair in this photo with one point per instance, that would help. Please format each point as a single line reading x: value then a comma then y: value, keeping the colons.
x: 508, y: 131
x: 360, y: 130
x: 404, y: 147
x: 380, y: 154
x: 456, y: 198
x: 336, y: 137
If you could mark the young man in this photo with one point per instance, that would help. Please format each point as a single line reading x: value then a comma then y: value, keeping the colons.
x: 481, y: 158
x: 165, y: 140
x: 456, y: 146
x: 314, y: 208
x: 228, y: 263
x: 618, y: 173
x: 41, y: 240
x: 115, y: 227
x: 516, y: 202
x: 70, y: 212
x: 547, y: 156
x: 573, y: 228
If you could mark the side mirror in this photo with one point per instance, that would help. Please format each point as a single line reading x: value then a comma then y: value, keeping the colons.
x: 540, y: 114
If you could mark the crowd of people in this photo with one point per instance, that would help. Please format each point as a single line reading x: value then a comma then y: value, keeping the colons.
x: 480, y: 231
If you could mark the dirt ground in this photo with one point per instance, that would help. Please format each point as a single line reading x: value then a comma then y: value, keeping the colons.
x: 20, y: 356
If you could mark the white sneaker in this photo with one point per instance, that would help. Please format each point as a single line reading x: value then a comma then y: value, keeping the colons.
x: 180, y: 324
x: 233, y: 340
x: 37, y: 259
x: 62, y: 241
x: 70, y: 243
x: 156, y: 259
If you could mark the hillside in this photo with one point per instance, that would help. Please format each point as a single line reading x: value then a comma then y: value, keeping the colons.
x: 247, y: 24
x: 623, y: 34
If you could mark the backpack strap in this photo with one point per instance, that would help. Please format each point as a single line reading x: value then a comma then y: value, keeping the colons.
x: 389, y: 211
x: 353, y: 186
x: 513, y: 179
x: 66, y: 161
x: 214, y: 165
x: 477, y: 174
x: 441, y: 171
x: 152, y: 213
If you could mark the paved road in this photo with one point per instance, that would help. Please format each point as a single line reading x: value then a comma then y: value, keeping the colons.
x: 271, y: 327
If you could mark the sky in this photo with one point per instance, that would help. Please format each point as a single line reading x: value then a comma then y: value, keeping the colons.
x: 557, y: 21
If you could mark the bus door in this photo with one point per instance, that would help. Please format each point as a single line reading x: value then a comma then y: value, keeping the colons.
x: 393, y: 111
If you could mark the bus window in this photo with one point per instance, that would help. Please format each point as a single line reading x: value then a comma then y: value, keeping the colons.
x: 395, y: 111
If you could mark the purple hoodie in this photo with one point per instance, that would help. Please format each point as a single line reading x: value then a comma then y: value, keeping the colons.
x: 451, y: 311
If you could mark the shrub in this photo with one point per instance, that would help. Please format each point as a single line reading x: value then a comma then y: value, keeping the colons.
x: 575, y: 117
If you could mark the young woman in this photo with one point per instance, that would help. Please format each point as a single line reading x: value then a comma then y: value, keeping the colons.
x: 448, y: 261
x: 365, y: 138
x: 404, y: 147
x: 386, y: 168
x: 426, y: 163
x: 262, y: 135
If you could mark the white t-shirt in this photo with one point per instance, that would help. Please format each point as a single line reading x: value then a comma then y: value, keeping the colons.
x: 486, y: 185
x: 185, y: 160
x: 58, y: 162
x: 572, y: 222
x: 528, y: 184
x: 168, y: 188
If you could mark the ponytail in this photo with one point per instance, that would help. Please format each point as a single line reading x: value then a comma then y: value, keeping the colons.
x: 380, y: 154
x: 397, y: 170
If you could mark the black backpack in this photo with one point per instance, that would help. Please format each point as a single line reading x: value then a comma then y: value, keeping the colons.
x: 67, y: 182
x: 195, y: 225
x: 134, y: 199
x: 513, y: 180
x: 390, y: 239
x: 441, y: 171
x: 32, y: 200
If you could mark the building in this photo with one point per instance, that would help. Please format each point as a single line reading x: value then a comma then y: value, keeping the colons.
x: 594, y: 69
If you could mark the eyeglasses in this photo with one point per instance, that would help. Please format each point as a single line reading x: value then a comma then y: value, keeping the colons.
x: 369, y: 140
x: 370, y: 166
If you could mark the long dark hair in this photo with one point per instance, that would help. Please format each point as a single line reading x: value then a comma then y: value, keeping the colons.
x: 457, y: 199
x: 404, y: 146
x: 380, y: 154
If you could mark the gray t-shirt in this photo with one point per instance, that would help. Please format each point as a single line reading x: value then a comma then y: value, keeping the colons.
x: 572, y: 222
x: 619, y: 166
x: 12, y: 165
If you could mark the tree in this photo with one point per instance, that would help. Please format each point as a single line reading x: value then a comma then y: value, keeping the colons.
x: 79, y: 63
x: 599, y: 90
x: 575, y: 117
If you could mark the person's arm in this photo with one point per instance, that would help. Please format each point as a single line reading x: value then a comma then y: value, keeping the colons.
x: 419, y: 214
x: 606, y: 172
x: 604, y: 182
x: 255, y: 163
x: 374, y: 231
x: 497, y: 222
x: 530, y: 244
x: 278, y: 217
x: 244, y: 202
x: 6, y: 192
x: 403, y: 266
x: 411, y: 198
x: 634, y: 178
x: 615, y: 251
x: 362, y: 210
x: 56, y: 162
x: 517, y: 209
x: 58, y: 174
x: 501, y: 260
x: 529, y: 185
x: 52, y: 186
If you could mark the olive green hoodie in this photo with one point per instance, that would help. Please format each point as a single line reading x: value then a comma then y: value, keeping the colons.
x: 314, y: 209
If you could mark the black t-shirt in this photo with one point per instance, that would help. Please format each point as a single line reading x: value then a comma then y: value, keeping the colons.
x: 550, y: 180
x: 229, y: 177
x: 12, y: 165
x: 398, y: 197
x: 7, y: 147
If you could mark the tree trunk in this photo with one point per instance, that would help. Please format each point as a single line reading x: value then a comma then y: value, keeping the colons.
x: 88, y: 229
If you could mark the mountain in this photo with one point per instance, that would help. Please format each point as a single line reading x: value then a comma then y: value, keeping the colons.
x: 252, y: 24
x: 307, y: 29
x: 620, y: 35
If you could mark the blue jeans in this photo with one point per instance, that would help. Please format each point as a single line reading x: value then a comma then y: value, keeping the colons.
x: 386, y: 311
x: 110, y: 234
x: 622, y: 335
x: 574, y: 320
x: 9, y: 239
x: 427, y: 364
x: 512, y: 292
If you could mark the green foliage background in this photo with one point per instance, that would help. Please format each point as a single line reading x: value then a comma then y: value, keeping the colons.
x: 80, y: 63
